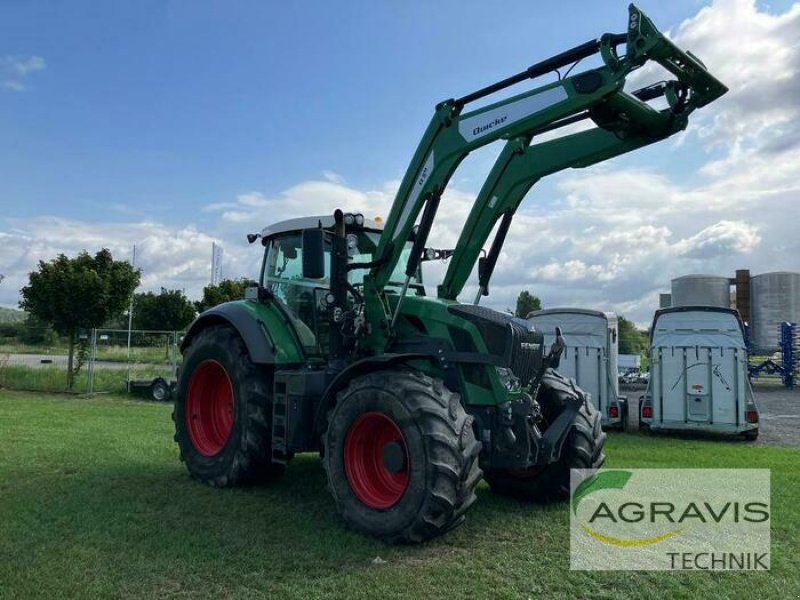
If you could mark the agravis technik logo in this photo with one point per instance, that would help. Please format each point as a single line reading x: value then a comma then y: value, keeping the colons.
x: 706, y: 519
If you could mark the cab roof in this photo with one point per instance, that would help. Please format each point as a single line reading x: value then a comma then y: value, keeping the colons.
x: 301, y: 223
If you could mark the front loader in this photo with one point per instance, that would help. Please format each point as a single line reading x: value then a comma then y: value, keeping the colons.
x: 411, y: 399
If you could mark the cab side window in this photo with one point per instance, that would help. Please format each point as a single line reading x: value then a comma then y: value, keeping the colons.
x: 283, y: 276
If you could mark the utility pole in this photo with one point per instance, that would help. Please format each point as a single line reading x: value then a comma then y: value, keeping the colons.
x: 130, y: 327
x: 216, y: 263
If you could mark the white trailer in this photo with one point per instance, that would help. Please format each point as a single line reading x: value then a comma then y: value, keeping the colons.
x: 698, y: 373
x: 590, y: 356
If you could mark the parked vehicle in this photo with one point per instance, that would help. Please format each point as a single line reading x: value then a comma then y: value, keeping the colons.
x: 590, y: 356
x: 698, y: 373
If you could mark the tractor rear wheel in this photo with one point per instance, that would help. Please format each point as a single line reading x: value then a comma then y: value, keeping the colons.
x: 221, y: 409
x: 401, y: 456
x: 582, y: 449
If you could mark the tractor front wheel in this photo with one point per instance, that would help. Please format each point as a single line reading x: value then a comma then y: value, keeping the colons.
x: 221, y: 408
x: 582, y: 449
x: 401, y: 456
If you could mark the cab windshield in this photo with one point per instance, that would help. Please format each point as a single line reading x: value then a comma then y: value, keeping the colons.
x: 367, y: 244
x: 304, y: 299
x: 284, y: 264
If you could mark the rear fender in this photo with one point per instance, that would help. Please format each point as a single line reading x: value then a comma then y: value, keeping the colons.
x: 268, y: 337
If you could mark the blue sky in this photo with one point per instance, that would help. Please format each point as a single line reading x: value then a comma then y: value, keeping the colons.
x: 171, y: 105
x: 143, y: 114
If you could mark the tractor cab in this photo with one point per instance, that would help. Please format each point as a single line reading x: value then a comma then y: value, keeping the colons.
x: 306, y: 299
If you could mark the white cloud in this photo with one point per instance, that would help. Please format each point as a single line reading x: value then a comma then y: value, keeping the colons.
x: 334, y: 177
x: 14, y: 86
x: 218, y: 206
x: 757, y: 55
x: 721, y: 239
x: 172, y: 257
x: 23, y: 66
x: 306, y: 198
x: 15, y: 69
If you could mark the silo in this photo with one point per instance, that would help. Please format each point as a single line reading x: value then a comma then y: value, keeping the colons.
x: 774, y: 298
x: 701, y: 290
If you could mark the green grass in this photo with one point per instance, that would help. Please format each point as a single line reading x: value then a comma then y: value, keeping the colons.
x: 54, y: 378
x: 94, y: 503
x: 17, y: 347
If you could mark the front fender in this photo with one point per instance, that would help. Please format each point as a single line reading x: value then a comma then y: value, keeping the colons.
x: 366, y: 365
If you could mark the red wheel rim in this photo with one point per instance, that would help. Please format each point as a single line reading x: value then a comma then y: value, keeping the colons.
x: 209, y: 408
x: 371, y: 481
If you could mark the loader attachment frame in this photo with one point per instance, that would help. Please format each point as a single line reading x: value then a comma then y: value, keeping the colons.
x: 595, y: 93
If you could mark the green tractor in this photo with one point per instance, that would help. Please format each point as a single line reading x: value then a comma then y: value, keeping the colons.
x: 411, y: 400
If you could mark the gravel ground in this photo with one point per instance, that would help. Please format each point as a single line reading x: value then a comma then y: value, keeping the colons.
x: 780, y: 416
x: 779, y: 410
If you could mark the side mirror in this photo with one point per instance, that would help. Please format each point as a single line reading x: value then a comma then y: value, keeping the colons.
x: 313, y: 254
x: 481, y: 269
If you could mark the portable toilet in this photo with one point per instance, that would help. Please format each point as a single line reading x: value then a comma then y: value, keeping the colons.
x: 590, y: 357
x: 698, y: 373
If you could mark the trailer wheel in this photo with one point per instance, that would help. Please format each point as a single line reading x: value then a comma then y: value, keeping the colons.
x: 582, y: 449
x: 159, y: 390
x: 401, y: 456
x: 221, y: 409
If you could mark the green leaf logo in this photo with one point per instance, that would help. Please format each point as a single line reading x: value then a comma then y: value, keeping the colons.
x: 604, y: 480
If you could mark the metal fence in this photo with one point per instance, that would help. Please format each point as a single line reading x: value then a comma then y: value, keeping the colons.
x: 105, y: 360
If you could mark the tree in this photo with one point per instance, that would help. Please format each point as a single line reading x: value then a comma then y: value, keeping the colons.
x: 80, y: 292
x: 631, y: 340
x: 225, y: 291
x: 169, y: 310
x: 527, y: 303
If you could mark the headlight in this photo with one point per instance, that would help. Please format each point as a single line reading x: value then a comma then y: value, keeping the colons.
x: 508, y: 379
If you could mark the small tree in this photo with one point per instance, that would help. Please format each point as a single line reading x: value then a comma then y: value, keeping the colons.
x: 631, y: 340
x: 80, y: 292
x: 527, y: 303
x: 169, y: 310
x: 225, y: 291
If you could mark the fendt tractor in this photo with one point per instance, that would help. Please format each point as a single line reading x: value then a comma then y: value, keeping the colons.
x: 409, y: 399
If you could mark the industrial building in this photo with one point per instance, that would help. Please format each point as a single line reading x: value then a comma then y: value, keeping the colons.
x: 764, y: 301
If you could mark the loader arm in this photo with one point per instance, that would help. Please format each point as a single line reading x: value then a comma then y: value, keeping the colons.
x: 596, y: 93
x: 518, y: 168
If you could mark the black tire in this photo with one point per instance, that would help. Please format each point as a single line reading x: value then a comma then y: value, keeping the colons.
x: 751, y: 435
x: 245, y: 455
x: 582, y: 449
x: 441, y: 455
x: 160, y: 390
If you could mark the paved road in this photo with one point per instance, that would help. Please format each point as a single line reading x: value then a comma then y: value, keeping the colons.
x: 779, y: 412
x: 48, y: 360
